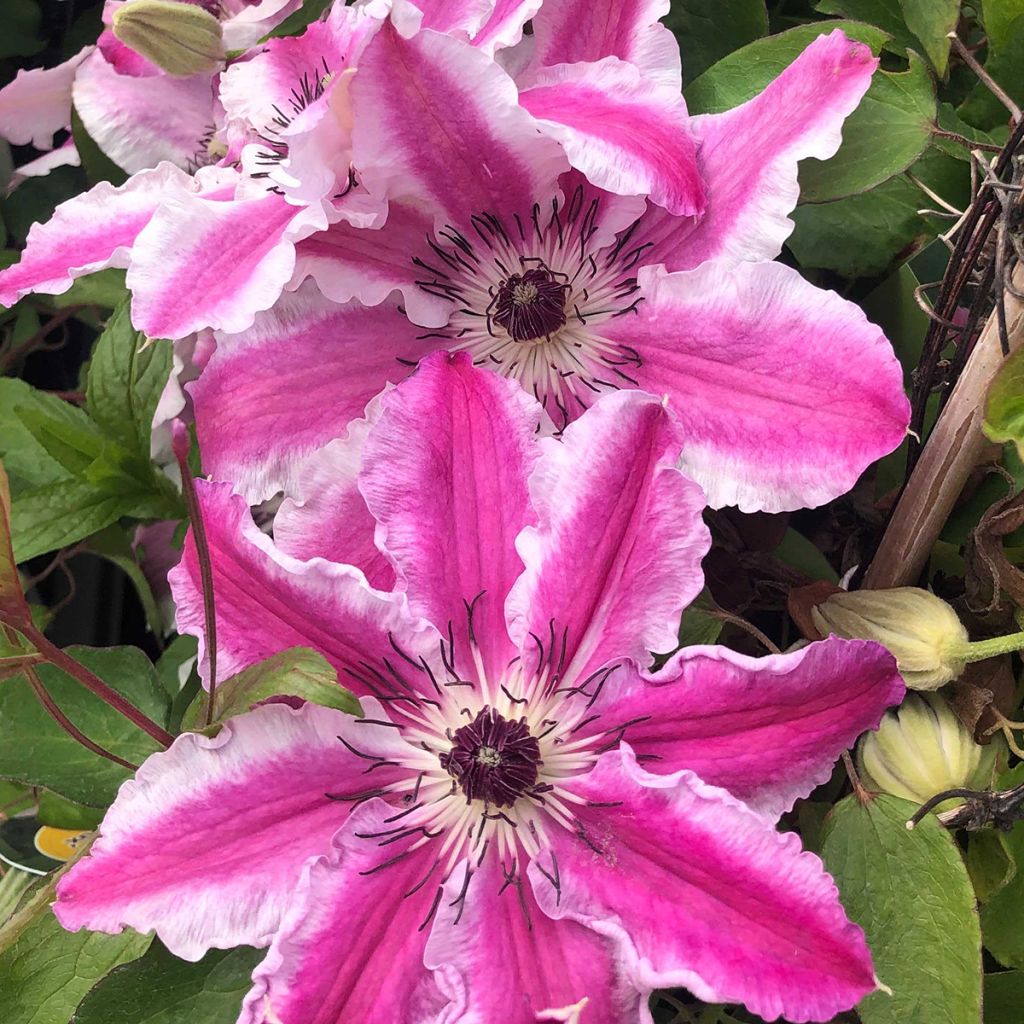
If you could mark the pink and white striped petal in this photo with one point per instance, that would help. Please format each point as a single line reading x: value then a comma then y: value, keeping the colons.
x: 769, y: 729
x: 698, y: 890
x: 615, y: 555
x: 267, y: 601
x: 748, y: 157
x: 349, y: 262
x: 325, y: 514
x: 202, y: 264
x: 206, y: 845
x: 455, y: 17
x: 437, y: 120
x: 571, y: 31
x: 504, y: 27
x: 37, y: 104
x: 139, y: 122
x: 627, y: 135
x: 785, y: 393
x: 445, y: 474
x: 277, y: 392
x: 351, y: 947
x: 517, y: 965
x: 90, y: 232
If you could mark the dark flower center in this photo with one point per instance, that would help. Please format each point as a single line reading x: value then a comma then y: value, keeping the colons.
x: 530, y: 305
x: 493, y: 759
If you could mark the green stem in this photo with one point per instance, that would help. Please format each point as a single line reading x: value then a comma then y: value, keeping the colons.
x: 982, y: 649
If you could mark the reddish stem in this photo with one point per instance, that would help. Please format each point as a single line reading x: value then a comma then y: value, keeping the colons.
x: 95, y: 685
x: 68, y: 726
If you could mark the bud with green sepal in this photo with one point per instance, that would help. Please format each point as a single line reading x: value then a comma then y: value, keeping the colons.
x: 180, y: 38
x: 922, y: 748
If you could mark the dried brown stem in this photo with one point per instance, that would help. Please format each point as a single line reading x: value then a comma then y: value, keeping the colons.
x: 956, y: 445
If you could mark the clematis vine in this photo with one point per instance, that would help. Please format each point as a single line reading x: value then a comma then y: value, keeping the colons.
x: 550, y: 209
x: 525, y: 824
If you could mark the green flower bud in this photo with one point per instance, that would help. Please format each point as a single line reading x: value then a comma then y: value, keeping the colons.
x: 920, y: 630
x: 181, y: 38
x: 920, y: 749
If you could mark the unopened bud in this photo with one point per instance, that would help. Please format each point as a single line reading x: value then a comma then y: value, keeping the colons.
x: 920, y: 630
x: 921, y: 749
x: 181, y: 38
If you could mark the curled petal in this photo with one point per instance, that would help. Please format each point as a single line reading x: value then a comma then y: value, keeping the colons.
x: 505, y: 25
x: 748, y: 157
x: 626, y: 135
x: 698, y: 890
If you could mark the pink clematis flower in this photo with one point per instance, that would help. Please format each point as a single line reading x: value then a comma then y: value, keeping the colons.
x: 785, y: 391
x: 525, y: 824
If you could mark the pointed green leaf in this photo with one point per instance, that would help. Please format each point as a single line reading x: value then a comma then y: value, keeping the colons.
x: 297, y: 672
x: 707, y: 33
x: 932, y: 21
x: 910, y: 892
x: 1004, y: 407
x: 161, y: 989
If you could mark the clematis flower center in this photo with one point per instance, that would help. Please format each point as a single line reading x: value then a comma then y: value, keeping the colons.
x: 493, y: 759
x: 533, y: 300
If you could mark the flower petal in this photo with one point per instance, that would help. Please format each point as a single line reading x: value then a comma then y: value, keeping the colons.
x: 785, y: 393
x: 767, y: 729
x: 138, y: 122
x: 698, y: 890
x: 626, y: 135
x: 505, y: 25
x: 37, y: 104
x: 206, y: 845
x: 436, y: 119
x: 455, y: 16
x: 570, y: 31
x: 349, y: 262
x: 515, y: 963
x: 351, y: 946
x: 444, y: 473
x: 214, y: 264
x: 92, y: 231
x: 267, y: 601
x: 748, y: 157
x: 616, y: 554
x: 275, y: 393
x: 325, y: 514
x: 250, y: 22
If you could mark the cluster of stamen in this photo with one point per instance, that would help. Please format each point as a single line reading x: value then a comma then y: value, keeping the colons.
x: 486, y: 759
x: 532, y: 300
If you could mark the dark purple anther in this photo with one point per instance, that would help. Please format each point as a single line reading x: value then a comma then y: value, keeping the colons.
x: 531, y: 305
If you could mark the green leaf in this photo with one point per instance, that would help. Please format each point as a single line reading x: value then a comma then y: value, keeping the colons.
x: 51, y: 517
x: 797, y: 551
x: 126, y: 378
x: 1004, y: 406
x: 1004, y: 997
x: 888, y: 131
x: 46, y: 971
x: 1004, y: 65
x: 932, y: 21
x: 70, y: 438
x: 297, y: 672
x: 697, y: 625
x: 998, y: 17
x: 35, y: 750
x: 25, y: 457
x: 96, y: 164
x: 886, y: 14
x: 13, y: 609
x: 168, y: 667
x: 297, y: 22
x: 990, y: 862
x: 54, y: 810
x: 161, y: 989
x: 910, y: 893
x: 104, y: 289
x: 1001, y: 916
x: 707, y: 33
x: 745, y: 72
